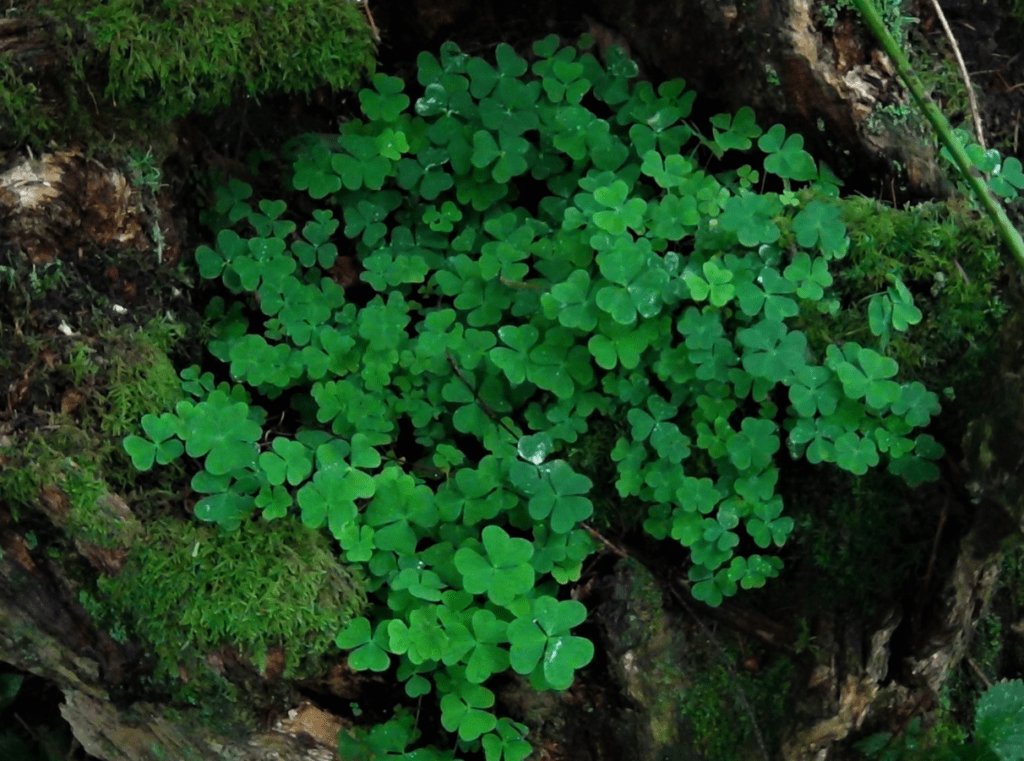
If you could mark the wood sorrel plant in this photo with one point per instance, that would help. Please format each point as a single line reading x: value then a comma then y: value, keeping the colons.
x: 548, y: 251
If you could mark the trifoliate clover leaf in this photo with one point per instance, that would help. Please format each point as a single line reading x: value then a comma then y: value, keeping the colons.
x: 919, y: 468
x: 462, y: 711
x: 368, y: 652
x: 504, y: 574
x: 621, y: 213
x: 765, y: 526
x: 559, y: 364
x: 422, y: 639
x: 162, y: 448
x: 290, y: 460
x: 572, y: 302
x: 330, y: 497
x: 754, y: 445
x: 387, y: 102
x: 559, y: 497
x: 486, y: 658
x: 506, y: 743
x: 508, y: 154
x: 767, y: 295
x: 221, y: 429
x: 398, y: 504
x: 787, y: 158
x: 314, y: 172
x: 811, y: 277
x: 384, y: 741
x: 514, y: 361
x: 617, y: 343
x: 819, y: 222
x: 750, y: 216
x: 916, y: 404
x: 868, y: 381
x: 700, y: 329
x: 736, y: 131
x: 856, y: 453
x: 773, y: 352
x: 541, y: 638
x: 713, y: 282
x: 698, y: 495
x: 904, y: 313
x: 710, y: 587
x: 814, y: 390
x: 752, y: 572
x: 1008, y: 179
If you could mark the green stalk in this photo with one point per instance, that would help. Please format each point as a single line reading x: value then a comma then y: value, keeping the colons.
x: 995, y: 210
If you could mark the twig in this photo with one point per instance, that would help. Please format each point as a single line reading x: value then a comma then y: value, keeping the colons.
x: 458, y: 371
x: 611, y: 547
x: 978, y: 672
x: 732, y: 672
x: 963, y: 72
x: 369, y: 17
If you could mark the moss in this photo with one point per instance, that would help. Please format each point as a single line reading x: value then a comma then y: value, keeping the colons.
x: 189, y: 590
x: 719, y: 722
x: 949, y: 259
x: 142, y: 58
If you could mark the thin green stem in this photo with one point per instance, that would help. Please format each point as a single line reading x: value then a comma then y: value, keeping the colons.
x: 934, y: 115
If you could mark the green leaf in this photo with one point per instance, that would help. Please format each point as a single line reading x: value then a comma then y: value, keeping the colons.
x: 869, y: 380
x: 773, y: 352
x: 750, y: 216
x: 754, y: 445
x: 462, y: 711
x: 542, y: 639
x: 368, y: 652
x: 387, y: 102
x: 819, y: 223
x: 514, y: 360
x: 504, y: 573
x: 787, y: 158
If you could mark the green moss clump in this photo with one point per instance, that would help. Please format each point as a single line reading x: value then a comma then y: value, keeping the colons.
x: 153, y: 50
x: 719, y: 722
x: 949, y: 259
x: 188, y: 590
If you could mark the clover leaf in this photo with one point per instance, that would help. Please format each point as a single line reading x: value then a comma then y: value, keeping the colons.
x: 713, y: 281
x: 787, y: 158
x: 160, y: 446
x: 814, y: 389
x: 486, y: 657
x: 765, y: 526
x: 856, y: 453
x: 387, y: 102
x: 752, y: 572
x: 504, y: 573
x: 811, y: 277
x: 222, y: 430
x: 819, y: 222
x: 868, y: 378
x: 773, y: 352
x: 754, y: 445
x: 506, y: 743
x: 916, y: 404
x: 750, y: 216
x: 572, y: 302
x: 555, y: 492
x: 515, y: 360
x: 462, y: 711
x: 369, y: 652
x: 542, y: 639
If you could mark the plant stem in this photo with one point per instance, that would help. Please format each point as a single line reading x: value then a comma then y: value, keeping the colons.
x: 992, y: 206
